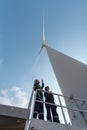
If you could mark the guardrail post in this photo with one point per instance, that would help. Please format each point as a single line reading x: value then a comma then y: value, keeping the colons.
x: 62, y: 109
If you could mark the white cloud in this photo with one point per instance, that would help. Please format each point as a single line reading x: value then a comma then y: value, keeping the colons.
x: 19, y: 96
x: 15, y: 96
x: 5, y: 100
x: 4, y: 92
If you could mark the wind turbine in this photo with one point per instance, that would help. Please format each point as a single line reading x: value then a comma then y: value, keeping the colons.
x: 43, y: 40
x: 43, y: 37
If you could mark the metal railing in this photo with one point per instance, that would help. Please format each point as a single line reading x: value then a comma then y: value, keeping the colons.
x: 62, y: 107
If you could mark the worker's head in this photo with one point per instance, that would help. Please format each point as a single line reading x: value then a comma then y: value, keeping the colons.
x: 47, y: 88
x: 36, y: 81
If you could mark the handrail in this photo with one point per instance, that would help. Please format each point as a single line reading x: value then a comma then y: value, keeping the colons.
x: 60, y: 104
x: 62, y: 109
x: 30, y: 102
x: 80, y: 110
x: 29, y: 109
x: 71, y: 97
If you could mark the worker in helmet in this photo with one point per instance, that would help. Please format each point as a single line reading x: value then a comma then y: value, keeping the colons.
x: 38, y: 108
x: 51, y: 109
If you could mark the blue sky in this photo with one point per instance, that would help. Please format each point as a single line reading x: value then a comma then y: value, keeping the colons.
x: 21, y: 39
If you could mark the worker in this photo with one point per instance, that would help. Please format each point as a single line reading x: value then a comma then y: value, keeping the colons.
x: 38, y: 108
x: 51, y: 108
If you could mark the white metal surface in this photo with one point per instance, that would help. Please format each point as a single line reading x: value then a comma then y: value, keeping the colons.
x: 12, y: 118
x: 46, y: 125
x: 72, y: 78
x: 12, y: 111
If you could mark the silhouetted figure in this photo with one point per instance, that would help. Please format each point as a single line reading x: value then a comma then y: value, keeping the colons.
x: 51, y: 109
x: 38, y: 108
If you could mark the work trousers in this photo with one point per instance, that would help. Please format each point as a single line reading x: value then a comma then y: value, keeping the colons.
x: 52, y: 109
x: 38, y: 110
